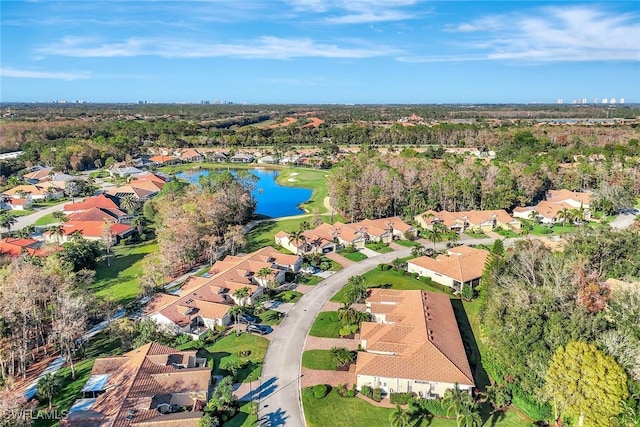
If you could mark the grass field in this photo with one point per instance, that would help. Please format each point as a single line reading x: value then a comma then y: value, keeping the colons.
x: 336, y: 411
x: 406, y: 243
x: 121, y: 282
x: 395, y: 280
x: 307, y: 178
x: 326, y: 325
x: 244, y: 418
x: 270, y: 317
x: 226, y: 349
x: 22, y: 213
x: 46, y: 220
x: 382, y: 248
x: 289, y: 296
x: 353, y: 256
x: 264, y: 233
x: 318, y: 359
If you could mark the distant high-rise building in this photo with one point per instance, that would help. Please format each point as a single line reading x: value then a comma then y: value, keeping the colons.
x: 612, y: 101
x: 595, y: 100
x: 621, y: 100
x: 584, y: 100
x: 605, y: 101
x: 560, y: 101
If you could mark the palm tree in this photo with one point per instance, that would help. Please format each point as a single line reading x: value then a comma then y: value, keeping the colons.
x: 130, y: 204
x: 241, y: 295
x: 27, y: 231
x: 264, y: 272
x: 418, y: 250
x: 435, y: 234
x: 49, y: 386
x: 346, y: 314
x: 58, y: 231
x: 138, y: 223
x: 7, y: 220
x: 342, y: 356
x: 564, y: 215
x: 76, y: 236
x: 399, y: 417
x: 235, y: 312
x: 297, y: 237
x: 534, y: 216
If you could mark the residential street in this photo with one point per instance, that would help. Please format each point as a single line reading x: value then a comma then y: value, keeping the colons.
x: 23, y: 221
x: 279, y: 393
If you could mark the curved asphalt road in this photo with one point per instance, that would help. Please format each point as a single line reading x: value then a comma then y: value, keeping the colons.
x: 280, y: 402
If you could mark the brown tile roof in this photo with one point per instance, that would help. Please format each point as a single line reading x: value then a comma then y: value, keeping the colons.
x: 139, y: 375
x: 461, y: 263
x: 562, y: 195
x: 34, y: 190
x: 162, y: 159
x: 138, y: 192
x: 100, y: 201
x: 474, y: 218
x: 190, y: 153
x: 423, y: 343
x: 39, y: 174
x: 147, y: 184
x: 97, y: 214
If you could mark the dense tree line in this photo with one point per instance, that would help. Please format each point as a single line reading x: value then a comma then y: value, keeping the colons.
x: 536, y: 302
x: 195, y: 220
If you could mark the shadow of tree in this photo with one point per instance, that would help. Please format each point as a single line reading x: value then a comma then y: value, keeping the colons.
x: 273, y: 419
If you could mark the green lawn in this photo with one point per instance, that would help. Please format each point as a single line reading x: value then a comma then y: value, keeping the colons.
x: 289, y: 296
x: 244, y: 418
x: 326, y: 325
x: 22, y: 213
x: 318, y: 359
x: 476, y: 235
x: 353, y: 256
x: 121, y: 282
x: 507, y: 233
x: 336, y: 411
x: 309, y: 280
x: 270, y: 317
x: 264, y: 233
x: 406, y: 243
x: 382, y: 248
x: 46, y: 220
x: 226, y: 349
x: 395, y: 280
x: 98, y: 346
x: 307, y: 178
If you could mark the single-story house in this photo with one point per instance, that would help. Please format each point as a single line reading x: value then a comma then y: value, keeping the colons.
x: 204, y: 302
x: 37, y: 174
x: 217, y: 157
x: 242, y: 158
x: 15, y: 204
x: 15, y: 247
x: 270, y: 160
x: 125, y: 171
x: 164, y: 160
x: 142, y: 388
x: 191, y: 155
x: 461, y: 265
x: 548, y: 211
x: 41, y: 191
x: 468, y: 220
x: 413, y: 345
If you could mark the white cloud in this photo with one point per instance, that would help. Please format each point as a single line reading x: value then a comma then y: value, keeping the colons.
x: 30, y: 74
x: 554, y: 34
x: 357, y: 11
x: 261, y: 48
x: 370, y: 17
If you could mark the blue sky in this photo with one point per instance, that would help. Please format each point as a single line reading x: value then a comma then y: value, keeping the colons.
x: 314, y: 51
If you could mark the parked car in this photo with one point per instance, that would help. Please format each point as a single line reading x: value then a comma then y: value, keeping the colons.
x: 247, y: 319
x: 260, y: 329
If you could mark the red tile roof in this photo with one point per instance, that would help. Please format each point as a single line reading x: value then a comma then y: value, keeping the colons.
x: 15, y: 247
x: 461, y: 263
x: 100, y: 201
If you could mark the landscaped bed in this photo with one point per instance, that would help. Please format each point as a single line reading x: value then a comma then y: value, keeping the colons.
x: 226, y: 350
x: 382, y: 248
x: 353, y: 256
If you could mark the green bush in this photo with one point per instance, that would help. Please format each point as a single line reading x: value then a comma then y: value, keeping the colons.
x: 383, y: 267
x: 342, y: 390
x: 351, y: 393
x: 182, y: 339
x: 401, y: 398
x: 320, y: 391
x: 377, y: 394
x: 433, y: 406
x: 366, y: 390
x: 539, y: 412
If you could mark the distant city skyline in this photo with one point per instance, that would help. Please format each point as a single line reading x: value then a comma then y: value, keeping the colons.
x: 320, y: 52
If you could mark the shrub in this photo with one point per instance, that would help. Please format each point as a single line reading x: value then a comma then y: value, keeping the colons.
x: 351, y: 393
x: 377, y: 394
x: 383, y: 267
x: 539, y: 412
x: 220, y: 328
x: 342, y: 390
x: 367, y: 391
x: 401, y: 398
x: 320, y: 391
x: 433, y: 406
x: 244, y: 353
x: 182, y: 339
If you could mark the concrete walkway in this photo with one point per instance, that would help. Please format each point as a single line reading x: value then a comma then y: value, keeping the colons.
x: 345, y: 262
x: 368, y: 252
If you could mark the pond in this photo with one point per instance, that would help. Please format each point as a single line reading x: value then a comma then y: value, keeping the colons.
x: 273, y: 199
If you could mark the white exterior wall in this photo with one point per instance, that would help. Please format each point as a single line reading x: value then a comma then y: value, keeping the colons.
x: 403, y: 385
x: 436, y: 277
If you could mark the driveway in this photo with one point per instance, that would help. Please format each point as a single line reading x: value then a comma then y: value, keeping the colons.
x: 623, y: 221
x: 23, y: 221
x: 281, y: 369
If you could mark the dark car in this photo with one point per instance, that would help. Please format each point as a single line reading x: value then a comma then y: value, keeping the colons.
x: 245, y: 318
x: 260, y: 329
